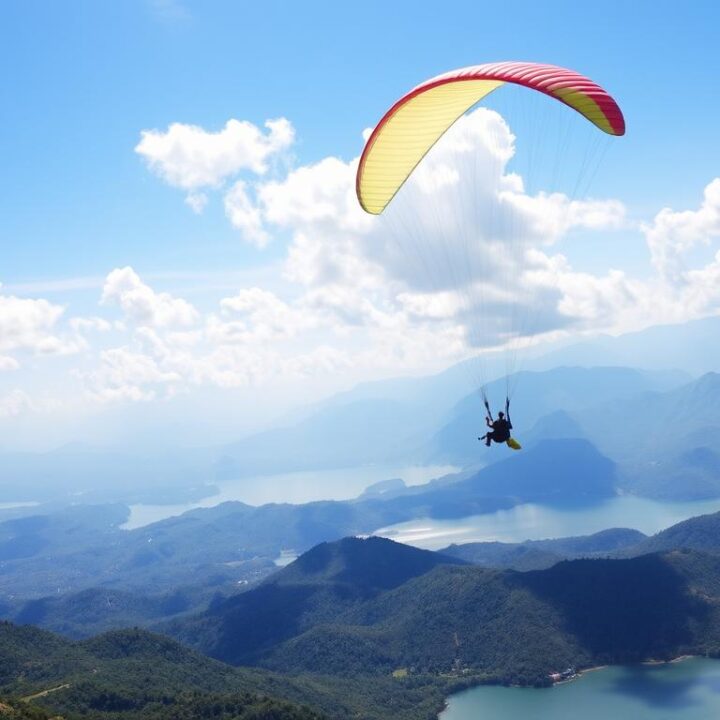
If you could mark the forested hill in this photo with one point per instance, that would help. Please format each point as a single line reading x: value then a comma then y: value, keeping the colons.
x: 698, y: 533
x: 369, y: 565
x: 506, y: 625
x: 376, y: 630
x: 136, y: 674
x: 316, y: 588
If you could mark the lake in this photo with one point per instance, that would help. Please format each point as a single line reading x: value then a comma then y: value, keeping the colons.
x: 537, y: 522
x: 16, y: 505
x: 687, y: 690
x: 295, y: 487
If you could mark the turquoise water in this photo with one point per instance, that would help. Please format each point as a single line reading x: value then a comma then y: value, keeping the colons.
x: 537, y: 522
x: 687, y: 690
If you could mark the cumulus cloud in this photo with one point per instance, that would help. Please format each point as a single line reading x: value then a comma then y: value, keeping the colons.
x: 262, y: 315
x: 28, y: 324
x: 673, y: 233
x: 89, y: 324
x: 142, y: 305
x: 315, y: 194
x: 245, y: 215
x: 354, y: 307
x: 463, y: 260
x: 127, y: 375
x: 256, y: 337
x: 189, y: 157
x: 455, y: 244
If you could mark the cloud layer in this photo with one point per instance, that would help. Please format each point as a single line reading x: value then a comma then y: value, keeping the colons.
x: 463, y: 261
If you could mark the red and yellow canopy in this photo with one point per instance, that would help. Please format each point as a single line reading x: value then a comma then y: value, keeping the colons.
x: 418, y: 120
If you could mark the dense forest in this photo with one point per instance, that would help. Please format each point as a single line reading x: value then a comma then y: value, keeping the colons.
x: 330, y: 615
x: 369, y: 628
x: 134, y: 674
x: 375, y: 640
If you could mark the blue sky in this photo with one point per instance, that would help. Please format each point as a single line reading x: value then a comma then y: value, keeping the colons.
x: 82, y: 80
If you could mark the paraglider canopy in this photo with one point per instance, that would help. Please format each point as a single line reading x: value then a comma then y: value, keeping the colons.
x: 470, y: 225
x: 417, y: 121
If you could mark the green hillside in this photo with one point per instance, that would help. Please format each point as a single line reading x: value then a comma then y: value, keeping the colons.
x: 137, y: 675
x: 501, y: 625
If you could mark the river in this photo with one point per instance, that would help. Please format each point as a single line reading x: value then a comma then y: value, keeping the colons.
x: 687, y: 690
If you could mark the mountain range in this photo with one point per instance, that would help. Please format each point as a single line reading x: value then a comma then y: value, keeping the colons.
x: 333, y: 616
x: 234, y: 544
x: 374, y: 629
x: 404, y: 420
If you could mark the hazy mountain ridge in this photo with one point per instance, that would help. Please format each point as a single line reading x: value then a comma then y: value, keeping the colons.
x: 691, y: 347
x: 701, y: 533
x: 541, y: 554
x: 383, y: 422
x: 539, y: 394
x: 666, y: 444
x: 100, y: 475
x: 234, y: 543
x: 400, y: 418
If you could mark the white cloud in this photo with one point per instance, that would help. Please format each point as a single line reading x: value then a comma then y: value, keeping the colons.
x: 89, y: 324
x: 313, y: 195
x: 265, y: 316
x: 455, y: 244
x: 673, y: 233
x: 25, y: 322
x: 142, y: 305
x: 245, y: 215
x: 31, y: 325
x: 550, y: 216
x: 463, y: 258
x: 441, y: 305
x: 127, y: 375
x: 586, y: 298
x: 189, y: 157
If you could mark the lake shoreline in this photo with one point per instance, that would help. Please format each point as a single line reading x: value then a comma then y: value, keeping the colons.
x: 580, y: 673
x: 679, y: 658
x: 637, y: 690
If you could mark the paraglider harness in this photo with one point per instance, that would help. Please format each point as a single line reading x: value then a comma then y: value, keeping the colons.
x: 500, y: 428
